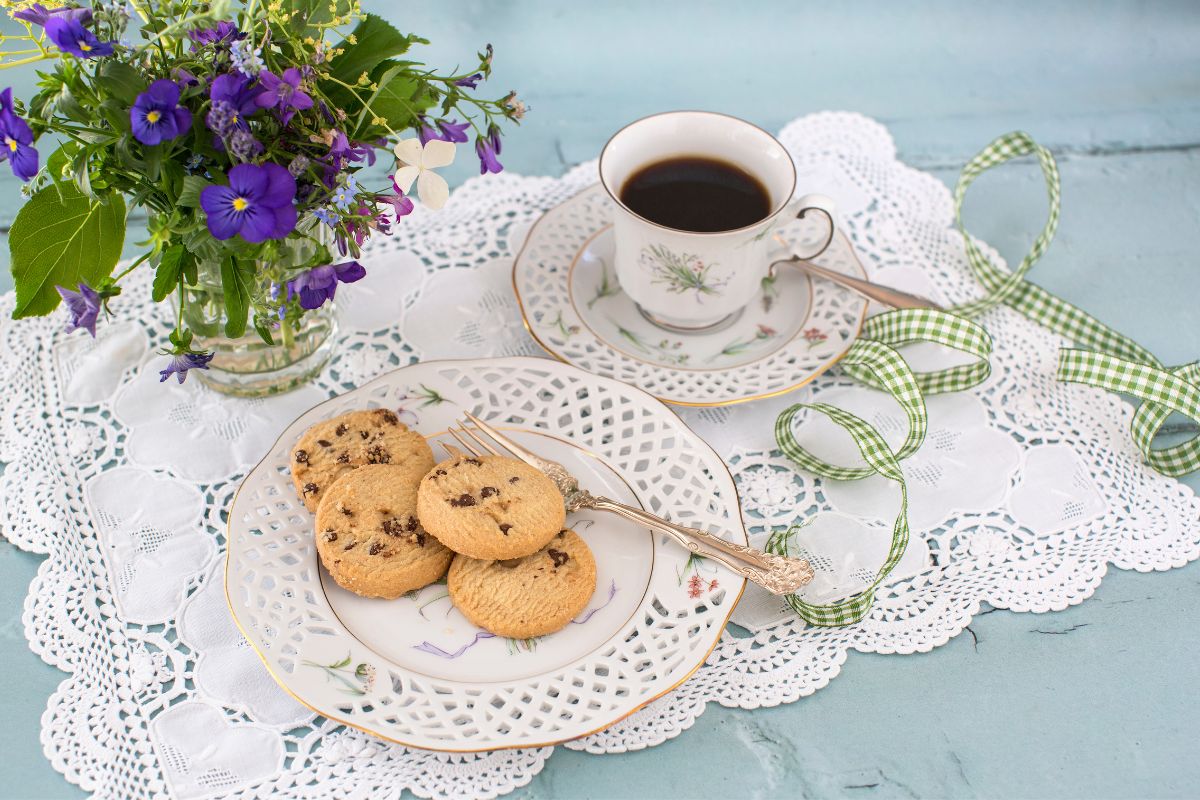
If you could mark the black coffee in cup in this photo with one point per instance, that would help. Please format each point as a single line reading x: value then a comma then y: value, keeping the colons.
x: 698, y: 194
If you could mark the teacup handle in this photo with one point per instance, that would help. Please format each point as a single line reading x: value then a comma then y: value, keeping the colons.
x: 823, y: 206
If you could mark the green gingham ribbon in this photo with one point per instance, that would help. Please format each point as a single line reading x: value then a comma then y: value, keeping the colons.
x: 1106, y: 359
x: 1111, y: 361
x: 874, y: 360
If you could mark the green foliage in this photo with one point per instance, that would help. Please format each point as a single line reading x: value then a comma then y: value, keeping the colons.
x: 176, y: 263
x: 61, y: 237
x: 237, y: 278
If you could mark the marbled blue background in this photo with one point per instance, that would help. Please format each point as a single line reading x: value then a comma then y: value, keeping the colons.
x: 1095, y: 701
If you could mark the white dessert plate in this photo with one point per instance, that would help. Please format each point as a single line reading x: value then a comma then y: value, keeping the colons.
x: 414, y: 670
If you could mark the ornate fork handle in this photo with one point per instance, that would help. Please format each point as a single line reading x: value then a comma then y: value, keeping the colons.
x: 776, y: 574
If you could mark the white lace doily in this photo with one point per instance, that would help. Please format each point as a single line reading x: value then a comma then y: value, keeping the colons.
x: 1024, y: 493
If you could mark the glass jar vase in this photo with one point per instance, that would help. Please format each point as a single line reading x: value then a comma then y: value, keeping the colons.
x: 247, y: 366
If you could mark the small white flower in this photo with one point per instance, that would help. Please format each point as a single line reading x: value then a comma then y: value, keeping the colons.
x: 419, y: 163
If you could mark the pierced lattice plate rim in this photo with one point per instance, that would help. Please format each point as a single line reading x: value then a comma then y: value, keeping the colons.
x: 413, y: 670
x: 572, y: 306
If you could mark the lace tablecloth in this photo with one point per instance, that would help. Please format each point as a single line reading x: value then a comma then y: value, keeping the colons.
x: 1025, y: 491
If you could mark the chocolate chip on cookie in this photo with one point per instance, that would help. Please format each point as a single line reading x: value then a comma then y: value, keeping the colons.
x: 396, y: 555
x: 318, y: 461
x: 460, y: 503
x: 524, y: 597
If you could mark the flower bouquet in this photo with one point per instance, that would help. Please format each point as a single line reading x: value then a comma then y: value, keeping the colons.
x: 243, y: 132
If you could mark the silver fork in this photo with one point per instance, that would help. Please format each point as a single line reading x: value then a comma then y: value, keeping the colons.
x: 776, y: 574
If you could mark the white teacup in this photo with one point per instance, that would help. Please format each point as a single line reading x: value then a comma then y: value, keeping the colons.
x: 724, y: 269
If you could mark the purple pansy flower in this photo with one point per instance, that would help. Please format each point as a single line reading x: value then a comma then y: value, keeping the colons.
x: 84, y: 306
x: 470, y: 81
x: 180, y: 363
x: 156, y: 115
x: 234, y: 98
x: 225, y: 31
x: 283, y: 93
x: 257, y: 204
x: 69, y: 35
x: 38, y: 14
x: 17, y: 140
x: 487, y: 148
x: 319, y: 284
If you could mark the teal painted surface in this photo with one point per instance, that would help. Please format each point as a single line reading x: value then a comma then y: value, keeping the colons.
x: 1089, y: 702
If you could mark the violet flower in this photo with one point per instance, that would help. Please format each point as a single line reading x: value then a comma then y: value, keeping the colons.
x: 225, y: 31
x: 342, y: 150
x: 426, y: 131
x: 38, y: 14
x: 283, y: 93
x: 69, y: 35
x: 319, y: 284
x: 234, y: 98
x: 17, y: 139
x: 156, y: 115
x: 257, y: 204
x: 453, y: 131
x: 180, y: 363
x: 84, y: 306
x: 487, y: 148
x: 401, y: 205
x: 470, y: 81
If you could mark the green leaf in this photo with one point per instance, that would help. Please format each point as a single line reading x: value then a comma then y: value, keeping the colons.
x: 189, y: 195
x: 175, y: 261
x: 264, y: 333
x: 62, y: 238
x: 120, y: 81
x: 171, y: 178
x: 235, y: 283
x: 307, y: 16
x: 398, y: 99
x: 376, y: 40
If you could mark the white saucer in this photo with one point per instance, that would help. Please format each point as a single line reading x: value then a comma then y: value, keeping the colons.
x: 792, y: 331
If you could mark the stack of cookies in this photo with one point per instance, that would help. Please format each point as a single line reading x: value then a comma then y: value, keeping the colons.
x: 389, y: 520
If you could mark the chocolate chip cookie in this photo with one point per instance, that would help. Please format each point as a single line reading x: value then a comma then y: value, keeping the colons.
x: 490, y: 507
x: 368, y: 535
x: 332, y: 448
x: 526, y: 597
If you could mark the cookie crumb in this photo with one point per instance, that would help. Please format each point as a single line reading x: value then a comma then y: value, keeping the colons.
x: 558, y: 557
